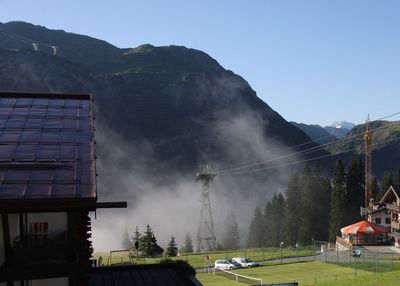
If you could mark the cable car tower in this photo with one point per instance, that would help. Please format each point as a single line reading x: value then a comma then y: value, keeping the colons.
x: 368, y: 164
x: 206, y: 240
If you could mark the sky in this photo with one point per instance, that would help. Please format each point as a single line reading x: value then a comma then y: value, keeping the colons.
x: 315, y: 61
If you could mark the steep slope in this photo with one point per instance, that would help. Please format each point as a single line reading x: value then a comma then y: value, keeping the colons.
x: 91, y: 53
x: 385, y: 140
x: 316, y: 133
x: 179, y: 101
x: 337, y: 132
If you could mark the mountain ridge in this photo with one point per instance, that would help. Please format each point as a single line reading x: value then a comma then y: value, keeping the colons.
x: 164, y: 92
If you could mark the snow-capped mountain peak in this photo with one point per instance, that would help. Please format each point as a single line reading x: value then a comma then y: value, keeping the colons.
x: 343, y: 124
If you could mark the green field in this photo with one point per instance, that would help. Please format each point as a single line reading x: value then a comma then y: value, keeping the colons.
x: 306, y: 273
x: 386, y: 279
x: 197, y: 259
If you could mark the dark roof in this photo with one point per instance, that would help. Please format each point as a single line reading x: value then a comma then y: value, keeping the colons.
x: 397, y: 190
x: 46, y: 146
x: 165, y: 274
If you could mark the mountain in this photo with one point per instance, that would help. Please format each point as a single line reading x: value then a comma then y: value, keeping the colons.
x: 343, y: 124
x: 316, y: 133
x: 337, y: 132
x: 339, y: 129
x: 176, y: 101
x: 385, y: 142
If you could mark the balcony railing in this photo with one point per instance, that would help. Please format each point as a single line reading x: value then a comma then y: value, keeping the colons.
x: 33, y: 249
x: 393, y: 208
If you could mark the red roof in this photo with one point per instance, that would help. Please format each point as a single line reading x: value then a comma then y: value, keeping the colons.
x: 365, y: 227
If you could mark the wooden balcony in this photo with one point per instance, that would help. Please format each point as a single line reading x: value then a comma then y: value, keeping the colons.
x: 30, y: 250
x: 32, y: 257
x: 393, y: 208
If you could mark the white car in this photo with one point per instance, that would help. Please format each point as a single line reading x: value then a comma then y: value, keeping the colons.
x: 245, y: 262
x: 224, y: 264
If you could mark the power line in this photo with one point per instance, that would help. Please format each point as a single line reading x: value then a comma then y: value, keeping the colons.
x: 35, y: 44
x: 306, y: 151
x: 303, y: 161
x: 303, y: 152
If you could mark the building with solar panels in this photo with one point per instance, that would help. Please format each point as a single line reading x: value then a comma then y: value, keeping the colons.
x: 47, y: 188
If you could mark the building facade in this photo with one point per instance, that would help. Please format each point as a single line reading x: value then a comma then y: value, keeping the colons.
x: 47, y: 188
x: 392, y: 201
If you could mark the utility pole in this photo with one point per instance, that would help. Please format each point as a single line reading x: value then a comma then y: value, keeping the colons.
x: 368, y: 164
x: 206, y: 239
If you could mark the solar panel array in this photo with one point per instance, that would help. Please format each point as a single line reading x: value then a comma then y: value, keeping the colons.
x: 46, y: 146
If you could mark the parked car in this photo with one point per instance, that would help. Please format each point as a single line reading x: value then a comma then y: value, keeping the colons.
x: 356, y: 251
x: 225, y: 265
x: 245, y: 262
x: 234, y: 263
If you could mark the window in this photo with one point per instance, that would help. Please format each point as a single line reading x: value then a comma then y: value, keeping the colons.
x: 387, y: 220
x: 39, y: 230
x: 378, y: 220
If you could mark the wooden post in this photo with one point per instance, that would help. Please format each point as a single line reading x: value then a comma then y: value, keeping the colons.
x: 7, y: 243
x: 6, y: 237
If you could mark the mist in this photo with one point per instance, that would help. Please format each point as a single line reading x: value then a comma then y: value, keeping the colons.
x: 170, y: 202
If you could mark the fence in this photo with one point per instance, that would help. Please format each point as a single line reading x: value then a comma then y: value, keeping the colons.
x: 369, y: 258
x: 267, y: 255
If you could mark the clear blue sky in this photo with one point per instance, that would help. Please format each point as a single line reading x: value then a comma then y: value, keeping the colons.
x: 313, y: 61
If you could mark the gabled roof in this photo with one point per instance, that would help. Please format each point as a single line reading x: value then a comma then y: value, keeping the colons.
x: 392, y: 190
x: 365, y: 227
x: 46, y: 147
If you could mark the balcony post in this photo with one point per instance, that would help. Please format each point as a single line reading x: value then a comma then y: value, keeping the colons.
x: 6, y: 237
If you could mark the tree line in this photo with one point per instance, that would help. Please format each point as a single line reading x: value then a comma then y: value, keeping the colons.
x: 315, y: 206
x: 145, y: 244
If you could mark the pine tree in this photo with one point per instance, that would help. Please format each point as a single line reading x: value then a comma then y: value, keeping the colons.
x: 126, y: 242
x: 148, y: 242
x: 255, y: 238
x: 374, y: 188
x: 274, y: 220
x: 230, y: 238
x: 172, y: 249
x: 136, y: 239
x: 354, y: 190
x: 320, y: 191
x: 291, y: 225
x: 305, y: 211
x: 188, y: 246
x: 397, y: 178
x: 387, y: 181
x: 337, y: 201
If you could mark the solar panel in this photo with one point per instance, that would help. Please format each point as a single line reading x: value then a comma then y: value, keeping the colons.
x: 46, y: 146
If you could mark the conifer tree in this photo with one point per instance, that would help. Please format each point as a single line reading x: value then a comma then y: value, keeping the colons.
x: 397, y: 178
x: 291, y: 212
x: 136, y: 237
x: 354, y: 190
x: 126, y: 242
x: 172, y: 249
x: 337, y: 201
x: 320, y: 191
x: 387, y: 181
x: 148, y: 242
x: 274, y: 220
x: 374, y: 188
x: 188, y: 245
x: 255, y: 238
x: 305, y: 210
x: 230, y: 238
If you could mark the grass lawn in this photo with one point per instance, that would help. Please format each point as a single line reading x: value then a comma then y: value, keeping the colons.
x: 387, y: 279
x: 306, y: 273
